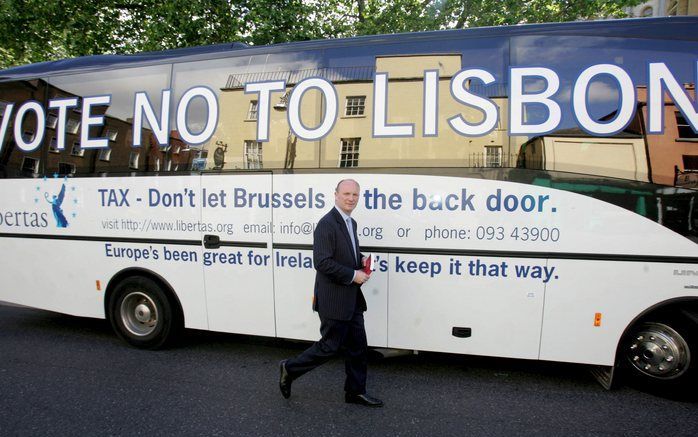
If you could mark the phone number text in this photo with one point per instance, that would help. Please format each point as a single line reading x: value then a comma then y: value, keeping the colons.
x: 496, y: 233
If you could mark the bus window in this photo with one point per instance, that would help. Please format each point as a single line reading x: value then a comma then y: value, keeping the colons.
x: 16, y: 162
x: 234, y: 144
x: 110, y: 96
x: 575, y: 145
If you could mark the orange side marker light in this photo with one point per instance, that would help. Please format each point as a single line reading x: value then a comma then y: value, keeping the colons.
x: 597, y: 319
x: 99, y: 285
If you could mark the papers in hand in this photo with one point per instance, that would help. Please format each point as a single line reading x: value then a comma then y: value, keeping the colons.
x: 369, y: 265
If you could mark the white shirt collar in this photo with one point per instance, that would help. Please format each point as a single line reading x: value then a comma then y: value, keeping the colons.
x: 342, y: 213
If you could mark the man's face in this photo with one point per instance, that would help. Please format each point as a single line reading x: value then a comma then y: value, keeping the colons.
x: 347, y: 196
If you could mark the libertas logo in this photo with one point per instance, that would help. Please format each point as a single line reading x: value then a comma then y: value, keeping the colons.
x: 56, y: 197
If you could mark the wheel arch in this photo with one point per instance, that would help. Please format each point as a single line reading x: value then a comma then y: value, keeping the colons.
x: 686, y: 306
x: 139, y: 271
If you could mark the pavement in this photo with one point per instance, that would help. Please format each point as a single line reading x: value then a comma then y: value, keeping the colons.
x: 63, y: 375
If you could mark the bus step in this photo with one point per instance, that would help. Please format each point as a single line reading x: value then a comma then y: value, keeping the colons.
x: 604, y: 375
x: 392, y: 353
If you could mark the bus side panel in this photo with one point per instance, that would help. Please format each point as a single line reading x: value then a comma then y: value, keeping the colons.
x: 73, y: 232
x: 184, y: 277
x: 502, y: 311
x: 52, y: 275
x: 239, y: 278
x: 293, y: 292
x: 618, y: 291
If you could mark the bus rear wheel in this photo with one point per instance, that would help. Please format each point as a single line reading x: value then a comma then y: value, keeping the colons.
x: 142, y: 314
x: 662, y: 356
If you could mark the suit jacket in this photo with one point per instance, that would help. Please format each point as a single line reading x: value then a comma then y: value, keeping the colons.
x: 336, y: 296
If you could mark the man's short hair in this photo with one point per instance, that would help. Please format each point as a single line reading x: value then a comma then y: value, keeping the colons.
x: 336, y: 189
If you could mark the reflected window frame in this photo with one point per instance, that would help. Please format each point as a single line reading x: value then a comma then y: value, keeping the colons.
x: 684, y: 132
x: 252, y: 155
x: 105, y: 154
x: 111, y: 134
x: 690, y: 163
x: 76, y: 150
x: 53, y: 145
x: 72, y: 126
x: 493, y: 156
x: 133, y: 159
x: 34, y: 168
x: 51, y: 120
x: 62, y: 166
x: 28, y: 136
x: 355, y: 106
x: 349, y: 152
x: 253, y: 111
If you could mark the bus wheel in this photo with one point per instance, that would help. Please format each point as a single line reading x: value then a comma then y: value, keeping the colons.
x: 142, y: 314
x: 661, y: 356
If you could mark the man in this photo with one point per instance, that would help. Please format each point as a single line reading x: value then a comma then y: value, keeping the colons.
x: 338, y: 300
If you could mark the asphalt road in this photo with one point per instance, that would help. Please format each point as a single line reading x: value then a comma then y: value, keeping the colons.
x: 63, y: 375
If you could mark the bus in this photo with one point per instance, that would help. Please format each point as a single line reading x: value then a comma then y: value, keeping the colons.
x: 526, y: 191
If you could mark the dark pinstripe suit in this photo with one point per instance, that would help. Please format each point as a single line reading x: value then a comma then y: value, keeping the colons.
x: 339, y: 302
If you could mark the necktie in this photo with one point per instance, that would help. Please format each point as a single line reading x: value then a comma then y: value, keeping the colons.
x: 351, y: 235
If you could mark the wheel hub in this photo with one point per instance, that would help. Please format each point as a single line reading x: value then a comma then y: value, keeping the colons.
x: 142, y: 313
x: 659, y: 351
x: 139, y: 314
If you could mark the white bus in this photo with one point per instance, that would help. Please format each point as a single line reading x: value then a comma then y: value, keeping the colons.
x: 527, y: 191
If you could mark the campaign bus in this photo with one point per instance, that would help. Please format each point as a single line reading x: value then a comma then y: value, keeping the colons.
x: 526, y: 191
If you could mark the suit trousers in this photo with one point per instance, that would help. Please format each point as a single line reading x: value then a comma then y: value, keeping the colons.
x: 339, y: 337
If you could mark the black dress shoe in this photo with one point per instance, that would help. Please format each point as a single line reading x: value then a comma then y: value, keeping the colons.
x: 364, y: 399
x: 284, y: 380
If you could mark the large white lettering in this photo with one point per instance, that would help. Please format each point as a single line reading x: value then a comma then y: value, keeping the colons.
x: 529, y: 87
x: 330, y: 108
x: 264, y: 90
x: 627, y: 99
x: 33, y: 143
x: 461, y: 94
x: 381, y: 128
x: 430, y: 126
x: 88, y: 120
x: 161, y: 127
x: 212, y: 109
x: 518, y: 99
x: 5, y: 122
x: 62, y: 105
x: 660, y: 73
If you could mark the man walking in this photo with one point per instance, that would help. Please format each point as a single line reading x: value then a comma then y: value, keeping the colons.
x: 338, y: 300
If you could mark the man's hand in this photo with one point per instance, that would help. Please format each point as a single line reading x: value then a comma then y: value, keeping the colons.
x: 360, y: 277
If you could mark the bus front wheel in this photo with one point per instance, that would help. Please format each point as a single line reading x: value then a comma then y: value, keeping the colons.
x: 142, y: 314
x: 662, y: 355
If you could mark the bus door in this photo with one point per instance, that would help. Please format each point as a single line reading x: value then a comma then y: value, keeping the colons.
x: 236, y: 229
x: 467, y: 304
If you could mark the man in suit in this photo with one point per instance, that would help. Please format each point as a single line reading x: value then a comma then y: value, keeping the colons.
x: 338, y: 300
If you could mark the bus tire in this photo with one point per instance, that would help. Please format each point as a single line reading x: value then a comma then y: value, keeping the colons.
x: 662, y: 356
x: 142, y: 314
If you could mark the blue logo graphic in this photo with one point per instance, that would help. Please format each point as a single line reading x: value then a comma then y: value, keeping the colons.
x: 56, y: 201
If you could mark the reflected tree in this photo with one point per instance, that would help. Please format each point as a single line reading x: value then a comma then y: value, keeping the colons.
x: 40, y: 30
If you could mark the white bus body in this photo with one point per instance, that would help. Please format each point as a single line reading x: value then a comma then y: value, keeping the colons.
x: 500, y: 259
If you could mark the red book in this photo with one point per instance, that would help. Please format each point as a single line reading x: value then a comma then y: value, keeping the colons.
x: 368, y: 265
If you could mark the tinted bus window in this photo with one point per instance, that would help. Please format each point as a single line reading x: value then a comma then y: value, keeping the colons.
x: 111, y: 95
x: 629, y: 152
x: 16, y: 162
